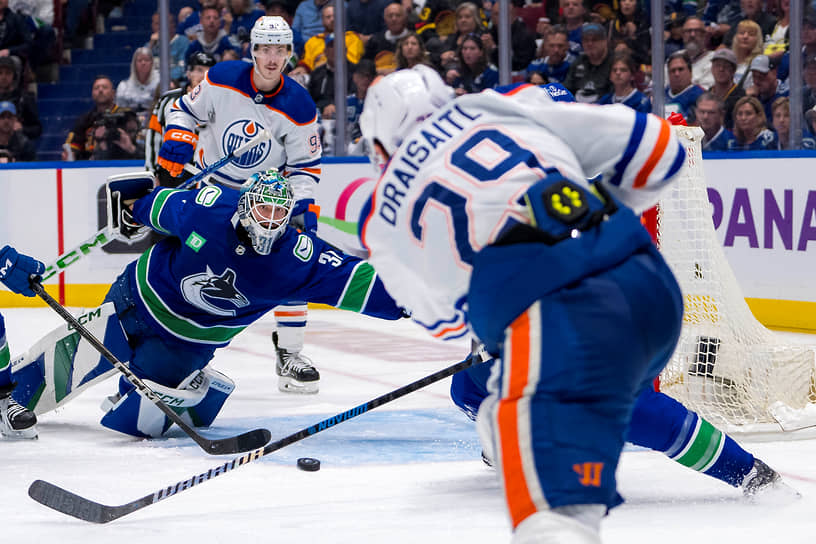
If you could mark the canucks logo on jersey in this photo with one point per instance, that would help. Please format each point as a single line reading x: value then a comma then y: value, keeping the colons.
x: 202, y: 290
x: 237, y: 134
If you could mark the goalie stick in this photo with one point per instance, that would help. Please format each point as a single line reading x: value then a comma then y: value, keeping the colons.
x: 104, y: 235
x: 68, y: 503
x: 249, y: 440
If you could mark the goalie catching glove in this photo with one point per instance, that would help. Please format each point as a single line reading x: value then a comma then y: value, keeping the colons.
x: 121, y: 192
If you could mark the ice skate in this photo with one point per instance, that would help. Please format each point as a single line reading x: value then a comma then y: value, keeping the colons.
x: 16, y: 422
x: 297, y: 374
x: 764, y: 484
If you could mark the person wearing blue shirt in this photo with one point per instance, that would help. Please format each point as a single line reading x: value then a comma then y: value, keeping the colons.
x: 710, y: 113
x: 624, y: 91
x: 307, y: 18
x: 768, y: 87
x: 751, y: 132
x: 555, y: 65
x: 681, y: 93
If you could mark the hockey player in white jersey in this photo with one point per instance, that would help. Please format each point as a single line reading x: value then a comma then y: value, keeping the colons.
x: 483, y: 223
x: 237, y: 100
x: 16, y: 422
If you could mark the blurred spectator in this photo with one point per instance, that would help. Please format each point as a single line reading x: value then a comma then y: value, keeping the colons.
x: 239, y: 19
x: 750, y: 10
x: 212, y: 38
x: 809, y: 77
x: 710, y: 115
x: 396, y: 28
x: 178, y: 45
x: 810, y: 118
x: 117, y: 137
x: 767, y: 88
x: 12, y: 139
x: 522, y: 40
x: 15, y: 35
x: 573, y: 17
x: 136, y: 92
x: 747, y: 45
x: 681, y: 93
x: 751, y: 130
x: 279, y: 8
x: 366, y: 17
x: 588, y: 77
x: 232, y: 54
x: 776, y: 43
x: 723, y: 67
x: 25, y: 102
x: 474, y: 72
x: 630, y: 25
x: 411, y: 51
x: 190, y: 25
x: 673, y: 34
x: 307, y: 18
x: 81, y: 140
x: 39, y: 15
x: 694, y: 42
x: 716, y: 15
x: 321, y: 82
x: 781, y: 116
x: 623, y: 87
x: 314, y: 53
x: 556, y: 62
x: 362, y: 76
x: 468, y: 21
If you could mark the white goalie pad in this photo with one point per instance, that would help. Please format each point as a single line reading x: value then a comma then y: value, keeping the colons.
x: 63, y: 364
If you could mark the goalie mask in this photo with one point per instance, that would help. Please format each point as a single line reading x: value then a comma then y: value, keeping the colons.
x: 397, y: 103
x: 264, y: 208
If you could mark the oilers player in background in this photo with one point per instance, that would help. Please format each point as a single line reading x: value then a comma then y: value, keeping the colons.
x: 16, y: 422
x: 236, y: 100
x: 483, y: 222
x: 227, y: 258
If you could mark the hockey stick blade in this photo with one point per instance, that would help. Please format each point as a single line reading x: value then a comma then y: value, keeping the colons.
x: 70, y: 504
x: 249, y: 440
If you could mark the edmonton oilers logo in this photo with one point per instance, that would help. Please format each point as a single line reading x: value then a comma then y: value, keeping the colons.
x: 239, y: 133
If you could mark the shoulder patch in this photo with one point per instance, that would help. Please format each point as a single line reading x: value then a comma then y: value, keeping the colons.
x: 304, y: 248
x: 207, y: 196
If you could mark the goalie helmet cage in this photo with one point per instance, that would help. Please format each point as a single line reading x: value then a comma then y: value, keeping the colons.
x: 727, y: 366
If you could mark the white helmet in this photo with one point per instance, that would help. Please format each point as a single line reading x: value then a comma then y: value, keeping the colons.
x: 270, y: 190
x: 270, y: 30
x: 398, y: 102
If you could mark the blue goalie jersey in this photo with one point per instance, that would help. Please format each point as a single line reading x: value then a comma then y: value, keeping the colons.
x: 204, y: 283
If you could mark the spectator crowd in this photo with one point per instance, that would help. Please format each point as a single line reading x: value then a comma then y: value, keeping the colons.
x: 727, y: 61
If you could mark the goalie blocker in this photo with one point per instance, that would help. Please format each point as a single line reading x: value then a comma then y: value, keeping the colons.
x: 63, y: 364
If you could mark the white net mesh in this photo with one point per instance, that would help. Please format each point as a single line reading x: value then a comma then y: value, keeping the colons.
x: 727, y: 366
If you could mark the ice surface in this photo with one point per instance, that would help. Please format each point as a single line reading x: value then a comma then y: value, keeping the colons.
x: 407, y: 472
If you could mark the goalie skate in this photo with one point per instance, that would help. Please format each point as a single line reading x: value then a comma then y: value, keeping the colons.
x: 16, y: 422
x: 296, y: 373
x: 764, y: 484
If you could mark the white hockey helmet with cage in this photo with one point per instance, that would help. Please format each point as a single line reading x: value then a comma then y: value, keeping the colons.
x: 264, y: 208
x: 398, y: 102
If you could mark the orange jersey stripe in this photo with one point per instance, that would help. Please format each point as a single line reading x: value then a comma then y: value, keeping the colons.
x: 654, y: 158
x: 443, y: 332
x: 519, y: 499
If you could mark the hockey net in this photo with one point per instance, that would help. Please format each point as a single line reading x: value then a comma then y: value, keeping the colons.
x: 727, y: 366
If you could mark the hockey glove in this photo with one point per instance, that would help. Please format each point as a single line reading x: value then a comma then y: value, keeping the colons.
x: 122, y: 191
x: 177, y: 150
x: 305, y: 214
x: 16, y: 271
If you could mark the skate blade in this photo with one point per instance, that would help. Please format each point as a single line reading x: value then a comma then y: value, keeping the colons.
x: 24, y: 434
x: 777, y: 494
x: 291, y: 385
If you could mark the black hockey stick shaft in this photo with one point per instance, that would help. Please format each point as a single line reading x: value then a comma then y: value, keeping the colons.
x: 249, y: 440
x: 73, y: 505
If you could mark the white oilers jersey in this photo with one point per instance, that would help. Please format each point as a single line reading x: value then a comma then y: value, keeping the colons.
x: 464, y: 172
x: 234, y: 112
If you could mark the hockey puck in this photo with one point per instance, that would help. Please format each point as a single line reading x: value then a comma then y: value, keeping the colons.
x: 308, y: 464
